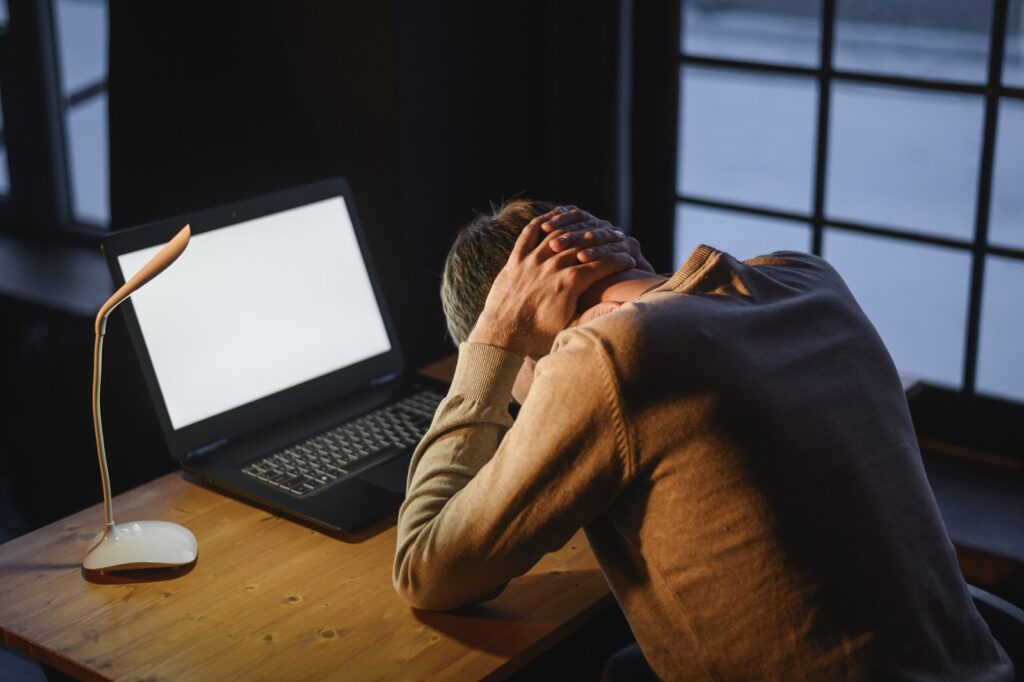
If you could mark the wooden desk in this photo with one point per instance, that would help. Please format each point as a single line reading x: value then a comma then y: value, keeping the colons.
x: 270, y: 599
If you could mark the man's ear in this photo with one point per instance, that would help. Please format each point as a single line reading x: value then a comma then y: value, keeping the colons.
x: 595, y: 311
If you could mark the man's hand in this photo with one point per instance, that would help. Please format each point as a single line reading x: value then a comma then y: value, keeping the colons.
x: 591, y: 236
x: 535, y: 295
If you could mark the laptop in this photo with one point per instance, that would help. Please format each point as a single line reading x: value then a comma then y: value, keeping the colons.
x: 271, y: 360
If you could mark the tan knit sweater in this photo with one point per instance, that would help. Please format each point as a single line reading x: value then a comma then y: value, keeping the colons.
x: 737, y: 445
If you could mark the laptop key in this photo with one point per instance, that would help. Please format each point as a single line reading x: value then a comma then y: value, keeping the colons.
x: 308, y: 467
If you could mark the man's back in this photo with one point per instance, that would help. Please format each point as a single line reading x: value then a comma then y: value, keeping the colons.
x: 778, y: 522
x: 737, y: 445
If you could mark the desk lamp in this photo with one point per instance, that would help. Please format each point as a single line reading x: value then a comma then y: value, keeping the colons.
x: 138, y: 544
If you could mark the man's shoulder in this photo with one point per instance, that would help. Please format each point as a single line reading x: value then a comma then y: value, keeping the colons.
x: 790, y: 258
x: 795, y: 261
x: 611, y: 343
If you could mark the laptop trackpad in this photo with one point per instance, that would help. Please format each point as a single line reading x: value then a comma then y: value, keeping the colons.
x: 390, y: 475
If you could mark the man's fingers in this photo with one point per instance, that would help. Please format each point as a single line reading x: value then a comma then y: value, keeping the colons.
x: 573, y: 232
x: 546, y: 248
x: 585, y: 239
x: 527, y: 241
x: 585, y: 274
x: 634, y: 251
x: 563, y: 218
x: 575, y: 256
x: 568, y: 227
x: 542, y: 218
x: 552, y: 214
x: 570, y: 219
x: 630, y: 245
x: 592, y: 253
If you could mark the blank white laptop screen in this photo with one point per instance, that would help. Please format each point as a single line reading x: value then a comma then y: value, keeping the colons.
x: 257, y: 307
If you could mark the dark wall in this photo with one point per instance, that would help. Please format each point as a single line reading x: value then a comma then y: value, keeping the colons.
x: 432, y: 110
x: 497, y: 100
x: 47, y: 445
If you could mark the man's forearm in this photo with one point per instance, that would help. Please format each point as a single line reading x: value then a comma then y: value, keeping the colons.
x: 466, y: 432
x: 486, y: 499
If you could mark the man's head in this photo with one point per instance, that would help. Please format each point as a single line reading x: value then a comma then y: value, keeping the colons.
x: 480, y: 251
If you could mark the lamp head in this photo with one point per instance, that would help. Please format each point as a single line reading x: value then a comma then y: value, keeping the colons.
x: 157, y: 264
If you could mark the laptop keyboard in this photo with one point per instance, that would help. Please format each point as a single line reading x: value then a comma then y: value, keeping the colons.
x: 307, y: 467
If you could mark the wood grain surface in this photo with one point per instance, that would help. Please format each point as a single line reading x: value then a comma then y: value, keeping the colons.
x: 268, y: 599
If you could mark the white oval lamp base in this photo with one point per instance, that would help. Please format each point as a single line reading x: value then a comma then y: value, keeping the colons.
x: 142, y: 544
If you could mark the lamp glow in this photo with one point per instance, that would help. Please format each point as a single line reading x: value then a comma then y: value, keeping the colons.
x: 137, y: 544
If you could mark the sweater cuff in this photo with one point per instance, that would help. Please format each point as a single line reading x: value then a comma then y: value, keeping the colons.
x: 485, y: 373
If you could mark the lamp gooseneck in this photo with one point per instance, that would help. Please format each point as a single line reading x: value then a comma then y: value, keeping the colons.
x: 97, y: 421
x: 141, y: 544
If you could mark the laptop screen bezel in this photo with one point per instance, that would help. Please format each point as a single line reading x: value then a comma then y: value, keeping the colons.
x: 277, y: 406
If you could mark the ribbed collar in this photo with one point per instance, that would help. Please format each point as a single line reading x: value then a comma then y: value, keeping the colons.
x: 695, y: 262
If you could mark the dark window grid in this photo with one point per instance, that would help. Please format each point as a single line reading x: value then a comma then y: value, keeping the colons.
x: 988, y: 146
x: 3, y: 132
x: 3, y: 50
x: 85, y: 94
x: 849, y: 226
x: 992, y: 90
x: 854, y: 76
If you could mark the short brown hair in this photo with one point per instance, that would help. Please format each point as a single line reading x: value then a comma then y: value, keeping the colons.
x: 480, y: 251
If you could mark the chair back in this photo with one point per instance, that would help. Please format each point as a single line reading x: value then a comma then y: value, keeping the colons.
x: 1006, y: 622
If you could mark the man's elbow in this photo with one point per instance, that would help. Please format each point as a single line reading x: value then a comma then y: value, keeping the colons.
x: 427, y: 600
x: 435, y: 588
x: 422, y: 592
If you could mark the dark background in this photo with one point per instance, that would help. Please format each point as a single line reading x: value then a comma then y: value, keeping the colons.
x: 432, y: 111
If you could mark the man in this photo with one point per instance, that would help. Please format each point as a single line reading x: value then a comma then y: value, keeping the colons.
x: 734, y: 439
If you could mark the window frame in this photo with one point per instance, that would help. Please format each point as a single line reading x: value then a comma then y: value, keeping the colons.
x: 39, y: 203
x: 992, y: 91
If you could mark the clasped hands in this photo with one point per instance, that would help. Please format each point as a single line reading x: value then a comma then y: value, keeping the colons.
x: 557, y: 257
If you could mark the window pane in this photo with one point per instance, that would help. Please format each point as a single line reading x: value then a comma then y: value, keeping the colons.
x: 939, y: 39
x: 743, y: 236
x: 904, y: 158
x: 1000, y: 360
x: 81, y: 27
x: 3, y: 12
x: 86, y: 127
x: 916, y: 296
x: 1013, y: 65
x: 747, y: 137
x: 783, y: 33
x: 1006, y: 224
x: 5, y: 179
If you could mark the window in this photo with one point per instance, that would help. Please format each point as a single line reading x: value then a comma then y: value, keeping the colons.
x: 885, y: 135
x: 80, y: 28
x: 54, y: 148
x: 5, y: 177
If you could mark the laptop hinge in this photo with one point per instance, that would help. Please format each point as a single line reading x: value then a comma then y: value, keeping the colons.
x: 383, y: 379
x: 205, y: 449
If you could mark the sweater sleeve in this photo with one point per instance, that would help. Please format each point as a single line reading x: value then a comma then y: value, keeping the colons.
x: 486, y: 498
